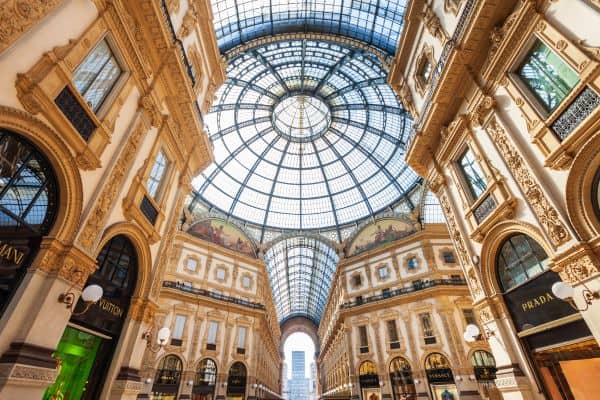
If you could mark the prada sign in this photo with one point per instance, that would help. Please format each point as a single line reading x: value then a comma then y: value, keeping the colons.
x: 533, y: 303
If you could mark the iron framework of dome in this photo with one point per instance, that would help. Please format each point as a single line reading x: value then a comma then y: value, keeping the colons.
x: 307, y: 135
x: 374, y: 22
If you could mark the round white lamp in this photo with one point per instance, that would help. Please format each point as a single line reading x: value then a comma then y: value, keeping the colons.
x: 163, y: 335
x: 473, y: 330
x: 92, y: 293
x: 468, y: 337
x: 148, y: 380
x: 562, y: 290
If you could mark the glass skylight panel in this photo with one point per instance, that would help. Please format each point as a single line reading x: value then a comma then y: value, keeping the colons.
x: 322, y: 147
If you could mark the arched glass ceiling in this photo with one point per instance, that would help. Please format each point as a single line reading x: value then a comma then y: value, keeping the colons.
x: 307, y: 135
x: 300, y: 272
x: 376, y: 22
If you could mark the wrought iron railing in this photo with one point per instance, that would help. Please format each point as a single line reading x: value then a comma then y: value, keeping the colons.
x: 484, y: 208
x: 582, y: 107
x: 148, y: 209
x: 213, y: 295
x: 75, y: 113
x: 406, y: 290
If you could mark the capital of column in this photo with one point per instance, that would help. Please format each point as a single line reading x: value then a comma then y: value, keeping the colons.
x: 67, y: 262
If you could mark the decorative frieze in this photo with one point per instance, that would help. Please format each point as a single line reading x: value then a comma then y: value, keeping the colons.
x: 18, y: 16
x: 544, y: 211
x: 106, y: 200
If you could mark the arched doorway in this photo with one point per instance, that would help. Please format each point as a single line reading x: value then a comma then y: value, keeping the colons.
x: 236, y: 381
x: 205, y: 380
x: 28, y: 207
x: 368, y: 380
x: 403, y: 386
x: 168, y: 376
x: 440, y: 377
x: 561, y: 349
x: 299, y: 376
x: 484, y: 369
x: 87, y: 345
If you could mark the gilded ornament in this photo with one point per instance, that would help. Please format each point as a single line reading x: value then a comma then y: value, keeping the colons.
x: 544, y: 211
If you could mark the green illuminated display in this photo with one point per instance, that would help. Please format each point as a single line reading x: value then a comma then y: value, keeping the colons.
x: 76, y: 351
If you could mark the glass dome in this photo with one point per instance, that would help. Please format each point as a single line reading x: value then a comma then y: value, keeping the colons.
x: 307, y: 135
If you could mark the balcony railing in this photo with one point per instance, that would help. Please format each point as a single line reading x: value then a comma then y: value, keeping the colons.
x: 405, y: 290
x: 213, y: 295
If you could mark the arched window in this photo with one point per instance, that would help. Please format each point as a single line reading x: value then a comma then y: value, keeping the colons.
x: 436, y: 361
x: 206, y: 373
x: 168, y: 375
x: 169, y: 370
x: 367, y: 375
x: 484, y: 365
x: 403, y: 386
x: 28, y: 208
x: 482, y: 358
x: 236, y: 381
x: 520, y: 258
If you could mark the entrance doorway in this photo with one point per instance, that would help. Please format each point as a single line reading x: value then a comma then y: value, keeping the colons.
x: 87, y: 345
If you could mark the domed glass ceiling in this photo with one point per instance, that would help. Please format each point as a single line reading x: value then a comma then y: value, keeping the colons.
x: 307, y: 134
x: 375, y: 22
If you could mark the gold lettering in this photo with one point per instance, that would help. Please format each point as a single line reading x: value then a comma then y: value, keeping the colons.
x: 110, y: 307
x: 10, y: 253
x: 537, y: 302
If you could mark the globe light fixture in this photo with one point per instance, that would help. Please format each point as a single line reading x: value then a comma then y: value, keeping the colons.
x: 162, y: 337
x: 564, y: 291
x: 90, y: 295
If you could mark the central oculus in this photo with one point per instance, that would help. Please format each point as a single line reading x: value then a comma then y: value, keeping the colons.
x: 301, y: 117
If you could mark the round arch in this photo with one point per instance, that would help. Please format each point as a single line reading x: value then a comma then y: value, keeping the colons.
x: 491, y: 244
x: 63, y: 163
x: 140, y: 244
x: 580, y: 182
x: 302, y: 325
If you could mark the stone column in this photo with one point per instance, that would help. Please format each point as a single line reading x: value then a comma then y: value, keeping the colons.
x: 514, y: 378
x: 128, y: 383
x: 35, y: 320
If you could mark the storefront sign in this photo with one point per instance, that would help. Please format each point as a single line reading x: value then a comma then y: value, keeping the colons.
x: 533, y: 303
x: 11, y: 255
x: 371, y: 380
x: 440, y: 375
x: 110, y: 307
x: 485, y: 373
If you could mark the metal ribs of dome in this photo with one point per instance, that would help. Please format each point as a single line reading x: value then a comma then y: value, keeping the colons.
x: 341, y: 175
x: 375, y: 22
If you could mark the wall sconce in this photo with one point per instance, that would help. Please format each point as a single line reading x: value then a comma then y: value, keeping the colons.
x: 565, y: 292
x: 472, y: 332
x: 459, y: 378
x: 148, y: 381
x: 90, y: 295
x: 416, y: 381
x: 161, y: 338
x: 190, y: 383
x: 224, y: 384
x: 381, y: 383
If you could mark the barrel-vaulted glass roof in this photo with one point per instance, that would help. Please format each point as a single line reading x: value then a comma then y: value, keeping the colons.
x: 375, y: 22
x: 300, y: 271
x: 307, y: 135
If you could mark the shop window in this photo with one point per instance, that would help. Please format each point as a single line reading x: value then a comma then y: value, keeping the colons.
x: 484, y: 365
x: 519, y: 259
x: 168, y: 375
x: 206, y: 377
x: 367, y: 376
x: 236, y: 381
x: 393, y: 334
x: 97, y: 75
x: 28, y: 207
x: 440, y: 376
x: 547, y: 76
x: 211, y: 340
x: 427, y: 328
x: 363, y: 340
x: 117, y: 275
x: 177, y: 337
x: 403, y: 386
x: 157, y: 175
x: 449, y: 257
x: 472, y: 174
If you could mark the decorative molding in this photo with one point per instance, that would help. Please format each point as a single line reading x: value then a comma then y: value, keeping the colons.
x: 106, y: 200
x: 142, y: 310
x: 544, y: 211
x: 19, y: 16
x: 433, y: 25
